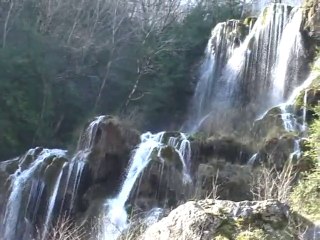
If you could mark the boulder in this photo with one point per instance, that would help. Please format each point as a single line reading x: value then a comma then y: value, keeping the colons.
x: 219, y: 219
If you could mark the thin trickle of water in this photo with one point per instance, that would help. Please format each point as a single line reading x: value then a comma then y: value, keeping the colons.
x: 52, y: 202
x: 36, y: 192
x: 253, y: 159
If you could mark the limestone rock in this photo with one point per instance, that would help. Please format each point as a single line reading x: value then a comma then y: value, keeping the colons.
x: 312, y: 18
x: 218, y: 219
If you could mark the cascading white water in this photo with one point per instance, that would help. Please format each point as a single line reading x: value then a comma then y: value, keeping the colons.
x: 287, y: 65
x: 31, y: 187
x: 289, y: 121
x: 221, y: 45
x: 117, y: 215
x: 85, y: 142
x: 248, y: 81
x: 249, y: 70
x: 296, y: 150
x: 19, y: 181
x: 151, y: 145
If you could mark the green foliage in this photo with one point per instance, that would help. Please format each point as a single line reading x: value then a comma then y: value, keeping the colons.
x: 256, y: 234
x: 305, y: 196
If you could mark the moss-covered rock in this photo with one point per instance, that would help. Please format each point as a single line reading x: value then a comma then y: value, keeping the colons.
x: 311, y: 12
x: 218, y: 219
x: 232, y: 181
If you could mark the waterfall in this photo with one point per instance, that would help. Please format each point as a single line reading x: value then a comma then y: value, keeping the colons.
x: 19, y: 180
x: 45, y: 185
x: 150, y: 147
x: 248, y: 73
x: 225, y: 38
x: 253, y: 75
x: 290, y: 50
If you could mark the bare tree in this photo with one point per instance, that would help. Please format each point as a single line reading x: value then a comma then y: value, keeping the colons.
x: 10, y: 10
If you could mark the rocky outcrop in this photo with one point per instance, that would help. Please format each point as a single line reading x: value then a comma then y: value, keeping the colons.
x: 113, y: 141
x: 216, y: 219
x: 269, y: 126
x: 106, y: 145
x: 220, y: 148
x: 312, y: 18
x: 228, y: 181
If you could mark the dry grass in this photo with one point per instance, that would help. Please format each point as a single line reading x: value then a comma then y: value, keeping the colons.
x: 215, y: 187
x: 64, y: 229
x: 270, y: 183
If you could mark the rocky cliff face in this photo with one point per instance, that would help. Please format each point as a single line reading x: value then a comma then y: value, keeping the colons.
x: 312, y: 18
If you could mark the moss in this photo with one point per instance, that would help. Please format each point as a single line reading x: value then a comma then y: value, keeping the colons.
x: 256, y: 234
x: 305, y: 196
x: 170, y: 155
x: 227, y: 228
x: 219, y: 237
x: 198, y: 137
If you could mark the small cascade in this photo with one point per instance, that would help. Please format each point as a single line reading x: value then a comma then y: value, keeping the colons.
x: 20, y: 180
x: 86, y: 139
x: 289, y: 121
x: 182, y: 146
x: 150, y: 147
x: 296, y: 154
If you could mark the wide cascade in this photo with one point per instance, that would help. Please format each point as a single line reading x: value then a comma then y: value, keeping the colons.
x: 260, y: 71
